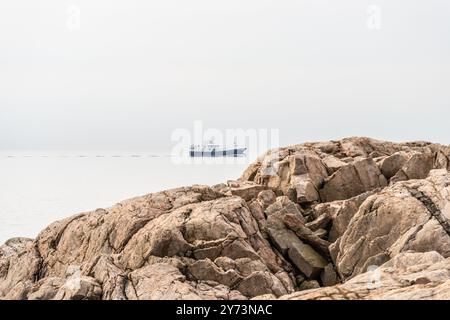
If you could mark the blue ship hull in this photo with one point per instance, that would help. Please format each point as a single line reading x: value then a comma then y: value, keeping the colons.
x: 218, y: 153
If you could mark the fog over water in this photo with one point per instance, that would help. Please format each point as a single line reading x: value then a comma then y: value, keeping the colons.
x: 38, y: 190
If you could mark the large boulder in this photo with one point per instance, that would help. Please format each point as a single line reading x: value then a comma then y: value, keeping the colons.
x: 332, y: 164
x: 408, y: 276
x: 305, y: 190
x: 340, y: 213
x: 315, y: 172
x: 284, y: 225
x: 390, y: 165
x: 417, y: 167
x: 297, y: 225
x: 411, y: 215
x: 352, y: 180
x: 246, y: 190
x: 20, y: 263
x: 307, y: 164
x: 127, y: 246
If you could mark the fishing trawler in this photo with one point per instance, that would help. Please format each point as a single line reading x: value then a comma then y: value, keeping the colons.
x: 213, y: 150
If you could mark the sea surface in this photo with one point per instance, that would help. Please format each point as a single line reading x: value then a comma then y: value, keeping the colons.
x: 38, y: 188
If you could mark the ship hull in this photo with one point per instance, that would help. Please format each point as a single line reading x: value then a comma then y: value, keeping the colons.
x: 218, y: 153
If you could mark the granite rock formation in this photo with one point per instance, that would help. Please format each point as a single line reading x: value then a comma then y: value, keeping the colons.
x: 350, y: 219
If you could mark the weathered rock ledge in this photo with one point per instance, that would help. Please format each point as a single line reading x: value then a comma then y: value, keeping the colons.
x: 350, y: 219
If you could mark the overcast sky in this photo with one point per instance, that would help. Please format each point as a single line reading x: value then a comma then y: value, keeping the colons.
x: 135, y: 70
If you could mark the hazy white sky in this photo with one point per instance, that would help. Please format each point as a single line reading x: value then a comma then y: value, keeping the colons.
x: 136, y: 70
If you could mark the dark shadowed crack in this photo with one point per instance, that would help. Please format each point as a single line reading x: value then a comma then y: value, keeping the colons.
x: 136, y: 227
x: 413, y: 236
x: 41, y: 268
x: 431, y: 207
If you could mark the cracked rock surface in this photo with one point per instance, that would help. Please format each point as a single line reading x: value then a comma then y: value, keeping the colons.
x: 351, y: 219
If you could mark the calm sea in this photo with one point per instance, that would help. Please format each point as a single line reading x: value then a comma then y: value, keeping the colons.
x: 38, y: 188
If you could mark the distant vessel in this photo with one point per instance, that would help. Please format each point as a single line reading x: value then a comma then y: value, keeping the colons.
x: 213, y: 150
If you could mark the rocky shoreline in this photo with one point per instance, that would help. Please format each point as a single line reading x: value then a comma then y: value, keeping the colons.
x: 351, y: 219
